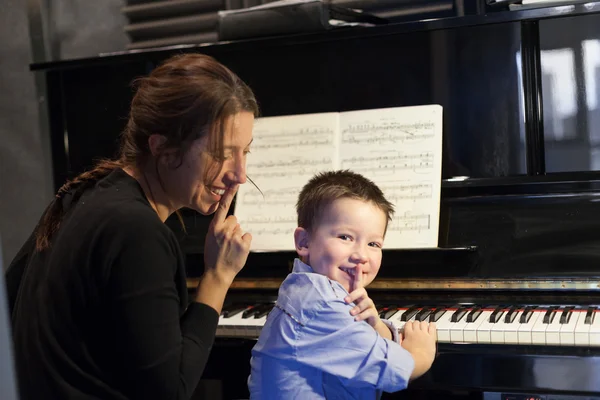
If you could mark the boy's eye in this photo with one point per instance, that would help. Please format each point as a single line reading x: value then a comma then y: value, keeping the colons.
x: 344, y: 237
x: 375, y: 244
x: 246, y: 152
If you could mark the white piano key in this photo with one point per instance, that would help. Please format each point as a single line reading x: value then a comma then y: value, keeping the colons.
x: 567, y: 331
x: 525, y: 330
x: 594, y: 332
x: 470, y: 330
x: 511, y: 329
x: 395, y: 319
x: 233, y: 326
x: 456, y: 328
x: 553, y: 330
x: 497, y: 329
x: 443, y: 326
x: 538, y: 332
x: 582, y: 331
x: 484, y: 331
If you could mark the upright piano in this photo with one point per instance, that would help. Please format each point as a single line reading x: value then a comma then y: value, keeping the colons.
x: 514, y: 285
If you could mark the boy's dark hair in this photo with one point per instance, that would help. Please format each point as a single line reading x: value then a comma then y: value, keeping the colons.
x: 326, y: 187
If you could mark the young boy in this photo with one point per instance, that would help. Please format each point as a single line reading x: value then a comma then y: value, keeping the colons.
x: 324, y: 338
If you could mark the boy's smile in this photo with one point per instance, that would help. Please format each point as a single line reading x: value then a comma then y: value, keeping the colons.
x: 345, y: 242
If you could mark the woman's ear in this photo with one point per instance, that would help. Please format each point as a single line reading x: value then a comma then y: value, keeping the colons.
x: 301, y: 239
x: 155, y: 144
x: 167, y: 156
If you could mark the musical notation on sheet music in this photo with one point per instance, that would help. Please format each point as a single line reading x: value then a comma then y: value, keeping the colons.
x: 285, y: 153
x: 387, y: 133
x: 398, y: 148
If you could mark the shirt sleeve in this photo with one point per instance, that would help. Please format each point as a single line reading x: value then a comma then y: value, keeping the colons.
x: 334, y: 343
x: 158, y: 352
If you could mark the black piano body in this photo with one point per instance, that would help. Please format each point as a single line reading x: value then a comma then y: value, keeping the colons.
x: 519, y: 213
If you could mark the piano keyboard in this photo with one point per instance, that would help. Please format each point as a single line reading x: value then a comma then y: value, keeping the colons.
x: 517, y: 325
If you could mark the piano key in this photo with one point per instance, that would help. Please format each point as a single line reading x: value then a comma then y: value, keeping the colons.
x: 497, y: 314
x: 524, y: 332
x: 443, y: 325
x: 594, y: 332
x: 264, y: 311
x: 250, y: 311
x: 458, y: 314
x: 589, y: 316
x: 397, y: 320
x: 566, y: 315
x: 458, y: 324
x: 437, y: 314
x: 553, y: 328
x: 538, y: 331
x: 471, y: 329
x: 233, y: 326
x: 390, y: 313
x: 550, y: 314
x: 423, y: 314
x: 511, y: 328
x: 382, y: 310
x: 498, y: 331
x: 568, y: 324
x: 484, y: 329
x: 474, y: 314
x: 411, y: 312
x: 582, y: 328
x: 511, y: 314
x: 527, y: 314
x: 234, y: 309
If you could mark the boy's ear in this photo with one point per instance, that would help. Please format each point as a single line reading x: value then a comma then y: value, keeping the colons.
x: 301, y: 239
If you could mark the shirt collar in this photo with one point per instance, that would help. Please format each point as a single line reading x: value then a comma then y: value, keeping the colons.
x: 301, y: 267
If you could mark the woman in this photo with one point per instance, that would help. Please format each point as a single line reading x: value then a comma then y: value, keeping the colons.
x: 98, y: 293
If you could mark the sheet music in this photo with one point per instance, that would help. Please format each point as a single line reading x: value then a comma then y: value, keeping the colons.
x: 400, y: 149
x: 286, y: 152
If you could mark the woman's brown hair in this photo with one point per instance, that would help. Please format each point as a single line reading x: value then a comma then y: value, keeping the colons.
x: 185, y: 98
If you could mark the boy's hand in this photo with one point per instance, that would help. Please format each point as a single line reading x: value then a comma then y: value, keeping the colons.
x: 365, y: 308
x: 419, y: 339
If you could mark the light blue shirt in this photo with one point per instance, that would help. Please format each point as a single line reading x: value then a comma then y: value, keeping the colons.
x: 311, y: 347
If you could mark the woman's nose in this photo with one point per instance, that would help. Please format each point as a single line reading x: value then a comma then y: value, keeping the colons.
x: 237, y: 172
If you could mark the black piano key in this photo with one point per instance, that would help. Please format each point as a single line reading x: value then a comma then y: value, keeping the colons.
x: 436, y: 314
x: 527, y: 313
x: 497, y: 314
x: 423, y: 314
x: 381, y: 311
x: 511, y: 314
x: 474, y: 314
x: 264, y: 311
x: 233, y: 310
x: 408, y: 314
x: 565, y: 317
x: 458, y: 314
x: 253, y: 310
x: 589, y: 316
x: 550, y: 314
x: 390, y: 313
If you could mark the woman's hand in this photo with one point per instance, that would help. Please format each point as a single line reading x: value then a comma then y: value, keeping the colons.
x: 227, y: 246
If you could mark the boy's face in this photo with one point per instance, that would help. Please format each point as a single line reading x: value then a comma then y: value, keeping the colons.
x: 349, y: 234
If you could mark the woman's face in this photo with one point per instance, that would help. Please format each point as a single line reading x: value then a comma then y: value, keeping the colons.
x: 186, y: 186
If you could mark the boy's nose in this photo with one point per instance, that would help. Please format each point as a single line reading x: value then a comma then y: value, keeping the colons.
x: 358, y: 257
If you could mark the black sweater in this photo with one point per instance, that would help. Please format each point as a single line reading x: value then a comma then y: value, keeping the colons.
x: 103, y: 313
